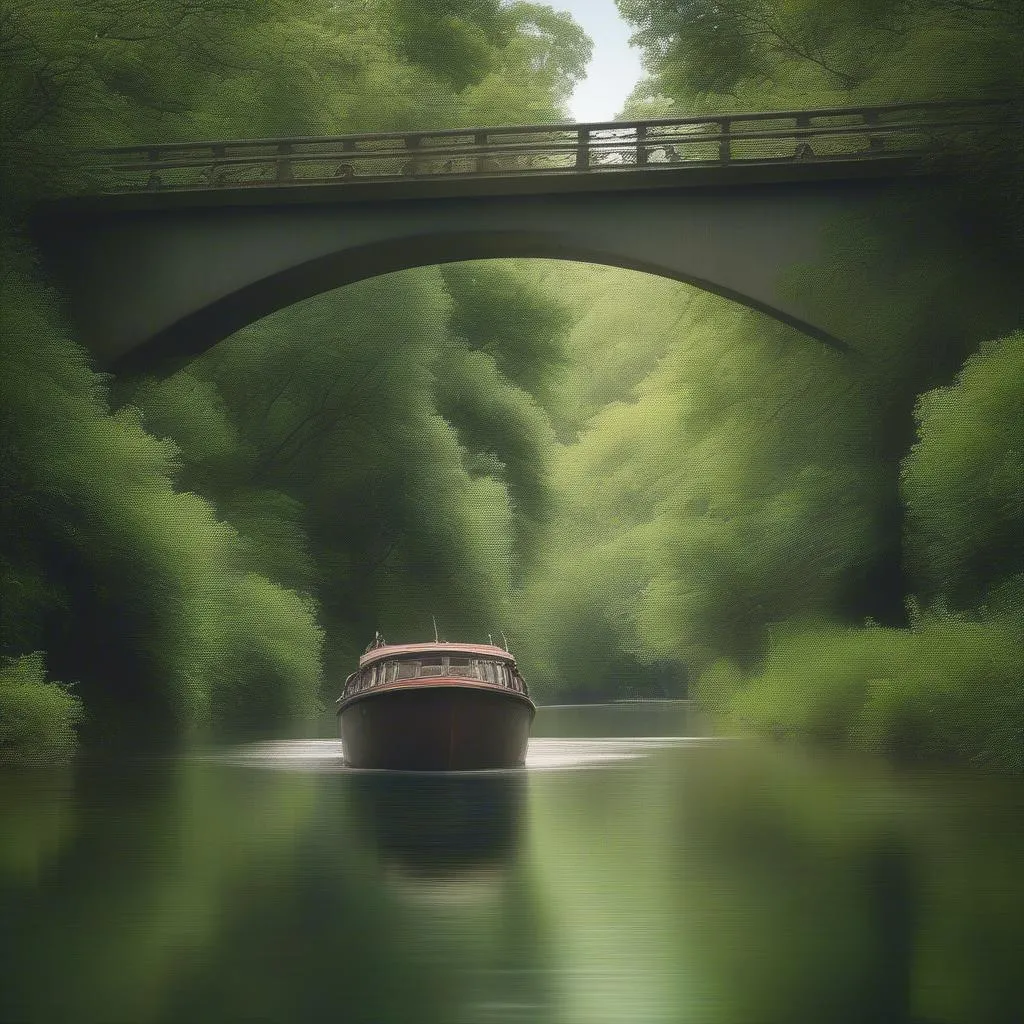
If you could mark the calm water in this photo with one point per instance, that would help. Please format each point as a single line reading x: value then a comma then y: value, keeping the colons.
x: 617, y: 879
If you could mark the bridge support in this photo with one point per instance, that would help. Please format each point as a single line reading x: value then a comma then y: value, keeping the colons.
x: 162, y: 277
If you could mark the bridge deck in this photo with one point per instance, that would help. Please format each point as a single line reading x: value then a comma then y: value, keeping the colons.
x: 768, y: 145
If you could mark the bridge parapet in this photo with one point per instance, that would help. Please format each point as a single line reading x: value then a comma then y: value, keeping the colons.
x: 822, y: 136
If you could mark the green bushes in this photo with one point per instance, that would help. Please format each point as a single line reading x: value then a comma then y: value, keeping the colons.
x: 176, y: 557
x: 131, y: 586
x: 951, y: 687
x: 915, y: 298
x: 265, y: 677
x: 947, y: 689
x: 963, y: 482
x: 37, y: 718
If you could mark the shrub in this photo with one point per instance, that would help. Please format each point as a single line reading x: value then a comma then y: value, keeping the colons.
x: 948, y: 689
x: 37, y: 718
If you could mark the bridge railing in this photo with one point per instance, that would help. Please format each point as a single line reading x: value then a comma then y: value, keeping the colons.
x: 830, y: 134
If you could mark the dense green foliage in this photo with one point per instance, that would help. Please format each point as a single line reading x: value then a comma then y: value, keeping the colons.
x: 949, y: 686
x: 964, y: 479
x: 775, y: 50
x: 180, y: 556
x: 641, y: 484
x: 37, y: 717
x: 917, y: 304
x: 135, y: 590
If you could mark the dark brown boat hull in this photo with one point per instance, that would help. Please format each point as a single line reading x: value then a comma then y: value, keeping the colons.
x: 436, y: 728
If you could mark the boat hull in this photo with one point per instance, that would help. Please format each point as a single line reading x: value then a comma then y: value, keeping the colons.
x: 436, y: 728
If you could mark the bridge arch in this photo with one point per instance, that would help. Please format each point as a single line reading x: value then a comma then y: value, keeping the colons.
x: 205, y: 327
x: 162, y: 283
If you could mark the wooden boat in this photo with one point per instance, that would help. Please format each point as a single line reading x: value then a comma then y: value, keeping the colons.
x: 435, y: 707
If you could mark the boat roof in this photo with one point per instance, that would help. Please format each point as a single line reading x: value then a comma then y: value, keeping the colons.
x: 440, y: 647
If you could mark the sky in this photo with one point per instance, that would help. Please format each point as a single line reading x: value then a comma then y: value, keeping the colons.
x: 615, y: 67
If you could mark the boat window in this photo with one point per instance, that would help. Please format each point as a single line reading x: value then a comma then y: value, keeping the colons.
x: 497, y: 673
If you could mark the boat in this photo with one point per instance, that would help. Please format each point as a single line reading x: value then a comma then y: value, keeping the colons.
x: 435, y: 707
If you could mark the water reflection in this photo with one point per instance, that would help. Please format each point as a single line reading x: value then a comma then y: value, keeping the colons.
x: 628, y: 718
x: 330, y: 936
x: 448, y: 851
x: 616, y: 879
x: 804, y: 892
x: 37, y: 814
x: 161, y: 853
x: 440, y: 826
x: 544, y: 752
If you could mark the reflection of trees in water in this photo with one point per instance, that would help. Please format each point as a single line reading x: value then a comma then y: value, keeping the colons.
x: 802, y: 895
x: 160, y: 853
x: 808, y: 892
x: 38, y: 815
x: 777, y: 888
x: 403, y: 902
x: 209, y: 893
x: 970, y: 848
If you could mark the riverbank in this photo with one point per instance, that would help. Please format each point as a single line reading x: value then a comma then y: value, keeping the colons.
x: 947, y: 690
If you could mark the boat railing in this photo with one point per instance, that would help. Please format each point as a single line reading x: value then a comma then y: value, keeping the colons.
x: 390, y: 670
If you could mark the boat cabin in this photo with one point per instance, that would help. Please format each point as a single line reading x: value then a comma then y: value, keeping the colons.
x: 402, y: 664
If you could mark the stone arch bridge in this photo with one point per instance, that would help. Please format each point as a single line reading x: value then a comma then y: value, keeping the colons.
x: 178, y: 246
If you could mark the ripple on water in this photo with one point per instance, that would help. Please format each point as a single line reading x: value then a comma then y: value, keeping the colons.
x: 543, y: 754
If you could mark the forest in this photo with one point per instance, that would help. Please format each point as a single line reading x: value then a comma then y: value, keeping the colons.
x: 651, y: 490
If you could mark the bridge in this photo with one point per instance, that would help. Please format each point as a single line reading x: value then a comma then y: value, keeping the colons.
x: 174, y: 247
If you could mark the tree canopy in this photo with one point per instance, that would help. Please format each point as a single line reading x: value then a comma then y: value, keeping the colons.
x: 648, y: 488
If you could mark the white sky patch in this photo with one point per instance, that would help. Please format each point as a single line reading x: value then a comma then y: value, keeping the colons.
x: 615, y: 66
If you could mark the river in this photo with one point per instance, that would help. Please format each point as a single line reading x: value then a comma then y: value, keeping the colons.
x: 631, y: 874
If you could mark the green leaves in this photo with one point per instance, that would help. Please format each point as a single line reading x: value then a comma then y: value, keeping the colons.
x: 946, y: 690
x: 37, y: 717
x: 128, y: 583
x: 498, y: 310
x: 773, y: 54
x: 452, y: 39
x: 622, y: 471
x: 963, y: 481
x: 169, y: 555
